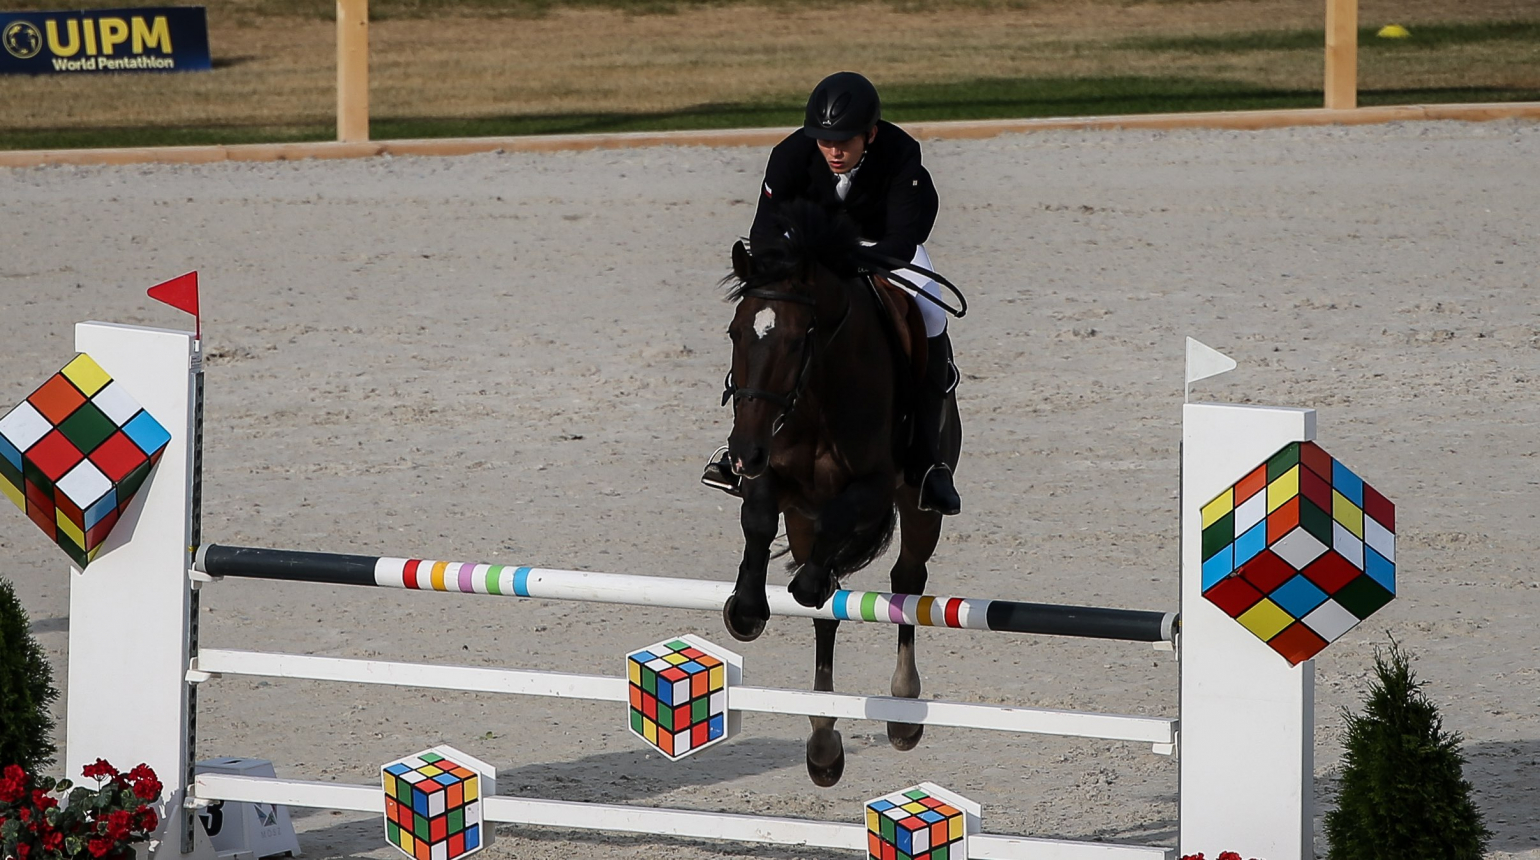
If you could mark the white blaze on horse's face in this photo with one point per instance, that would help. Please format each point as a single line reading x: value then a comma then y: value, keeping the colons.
x: 764, y: 321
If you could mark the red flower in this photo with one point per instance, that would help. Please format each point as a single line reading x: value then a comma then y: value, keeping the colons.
x: 98, y: 771
x: 13, y: 785
x: 22, y: 850
x: 97, y: 847
x: 147, y: 820
x: 119, y: 822
x: 149, y: 788
x: 43, y: 800
x: 53, y: 841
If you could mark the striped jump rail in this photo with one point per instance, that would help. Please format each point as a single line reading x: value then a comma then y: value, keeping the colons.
x: 967, y: 613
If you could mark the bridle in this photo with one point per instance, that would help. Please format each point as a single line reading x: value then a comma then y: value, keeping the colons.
x: 788, y: 401
x: 876, y: 263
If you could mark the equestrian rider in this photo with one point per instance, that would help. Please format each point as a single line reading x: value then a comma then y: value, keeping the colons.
x: 847, y: 159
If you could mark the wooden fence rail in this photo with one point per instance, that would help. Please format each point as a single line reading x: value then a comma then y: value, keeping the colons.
x: 353, y: 64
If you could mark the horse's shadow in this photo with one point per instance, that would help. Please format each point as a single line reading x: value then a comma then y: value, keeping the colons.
x: 623, y: 777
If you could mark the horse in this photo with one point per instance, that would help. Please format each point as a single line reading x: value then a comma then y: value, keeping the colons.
x: 820, y: 391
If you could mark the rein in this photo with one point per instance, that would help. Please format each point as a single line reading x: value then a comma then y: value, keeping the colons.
x: 788, y: 401
x: 890, y: 264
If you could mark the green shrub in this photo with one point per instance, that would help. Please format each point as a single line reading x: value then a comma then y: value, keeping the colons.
x: 26, y: 689
x: 1402, y: 794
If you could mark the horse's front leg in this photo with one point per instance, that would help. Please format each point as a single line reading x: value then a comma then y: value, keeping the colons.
x: 920, y: 532
x: 747, y: 610
x: 860, y: 507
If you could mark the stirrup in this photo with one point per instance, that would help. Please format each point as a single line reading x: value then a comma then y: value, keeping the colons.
x: 945, y: 507
x: 719, y: 474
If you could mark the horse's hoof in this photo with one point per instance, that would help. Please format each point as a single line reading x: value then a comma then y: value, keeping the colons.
x: 811, y: 594
x: 825, y: 757
x: 905, y: 736
x: 744, y: 629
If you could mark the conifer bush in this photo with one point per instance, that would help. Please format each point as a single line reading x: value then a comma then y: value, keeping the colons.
x: 26, y: 689
x: 1403, y: 795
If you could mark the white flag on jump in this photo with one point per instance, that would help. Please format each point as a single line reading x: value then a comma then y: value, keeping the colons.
x: 1204, y: 361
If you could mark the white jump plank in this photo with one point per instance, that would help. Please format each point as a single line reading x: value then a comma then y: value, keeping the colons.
x: 650, y: 820
x: 988, y: 846
x: 290, y: 792
x: 473, y: 679
x: 550, y: 813
x: 1151, y: 730
x: 972, y: 715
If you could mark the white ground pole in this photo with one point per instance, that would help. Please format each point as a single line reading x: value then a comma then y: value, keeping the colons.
x: 128, y: 697
x: 1247, y: 717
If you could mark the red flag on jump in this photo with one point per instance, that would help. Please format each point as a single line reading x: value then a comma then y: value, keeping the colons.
x: 181, y: 293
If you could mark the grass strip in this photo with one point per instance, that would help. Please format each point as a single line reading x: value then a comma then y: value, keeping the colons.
x: 1425, y: 37
x: 1012, y: 98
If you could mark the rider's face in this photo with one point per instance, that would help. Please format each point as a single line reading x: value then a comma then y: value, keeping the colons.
x: 845, y: 154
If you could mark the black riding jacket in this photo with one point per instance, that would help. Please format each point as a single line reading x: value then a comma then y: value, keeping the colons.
x: 892, y: 199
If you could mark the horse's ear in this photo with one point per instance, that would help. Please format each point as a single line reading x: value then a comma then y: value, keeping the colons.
x: 743, y: 264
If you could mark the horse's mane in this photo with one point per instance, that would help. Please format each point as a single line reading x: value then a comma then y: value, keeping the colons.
x: 805, y: 234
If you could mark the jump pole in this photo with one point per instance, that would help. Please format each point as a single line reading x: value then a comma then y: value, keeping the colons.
x: 969, y: 613
x: 1246, y: 718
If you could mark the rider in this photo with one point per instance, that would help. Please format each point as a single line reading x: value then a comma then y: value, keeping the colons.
x: 848, y: 159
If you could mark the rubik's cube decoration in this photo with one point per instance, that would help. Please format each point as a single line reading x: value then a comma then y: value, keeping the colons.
x: 678, y: 694
x: 74, y: 453
x: 925, y: 822
x: 1299, y: 551
x: 433, y: 808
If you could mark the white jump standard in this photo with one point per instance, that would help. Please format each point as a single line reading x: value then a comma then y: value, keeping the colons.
x: 1246, y: 716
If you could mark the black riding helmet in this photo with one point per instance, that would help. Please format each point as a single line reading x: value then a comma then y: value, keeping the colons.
x: 842, y: 106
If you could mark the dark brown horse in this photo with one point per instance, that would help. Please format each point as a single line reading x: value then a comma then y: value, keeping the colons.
x: 820, y: 389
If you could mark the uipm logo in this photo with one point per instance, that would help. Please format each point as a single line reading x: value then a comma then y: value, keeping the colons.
x: 22, y: 40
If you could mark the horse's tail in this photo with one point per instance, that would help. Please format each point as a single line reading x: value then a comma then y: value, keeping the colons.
x: 864, y: 545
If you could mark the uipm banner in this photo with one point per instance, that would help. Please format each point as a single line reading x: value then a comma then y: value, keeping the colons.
x: 148, y: 39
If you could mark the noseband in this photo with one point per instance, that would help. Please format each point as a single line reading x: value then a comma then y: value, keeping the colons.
x: 788, y: 401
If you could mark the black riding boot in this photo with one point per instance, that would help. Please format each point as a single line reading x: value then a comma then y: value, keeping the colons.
x: 927, y: 470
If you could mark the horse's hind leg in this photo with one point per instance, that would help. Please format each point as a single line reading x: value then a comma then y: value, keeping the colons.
x: 825, y: 749
x: 920, y: 532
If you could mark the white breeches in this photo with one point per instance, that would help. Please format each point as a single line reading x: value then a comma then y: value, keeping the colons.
x: 934, y: 316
